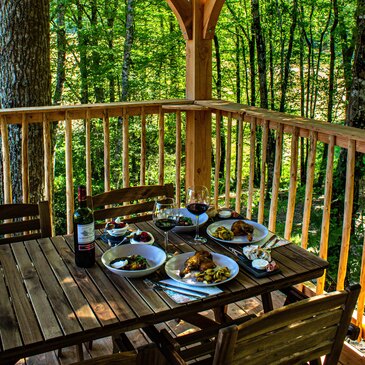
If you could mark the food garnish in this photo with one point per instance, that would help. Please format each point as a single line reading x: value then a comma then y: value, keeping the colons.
x: 184, y: 221
x: 132, y: 262
x: 223, y: 233
x: 215, y: 275
x: 114, y: 224
x: 142, y: 236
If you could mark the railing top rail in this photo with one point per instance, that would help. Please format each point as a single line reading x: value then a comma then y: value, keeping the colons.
x: 58, y: 112
x: 339, y: 131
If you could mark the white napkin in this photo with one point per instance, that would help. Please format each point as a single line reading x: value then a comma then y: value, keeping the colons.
x: 182, y: 298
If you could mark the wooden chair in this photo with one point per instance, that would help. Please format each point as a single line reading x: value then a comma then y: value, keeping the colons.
x: 293, y: 334
x: 145, y: 355
x: 24, y: 222
x: 138, y: 200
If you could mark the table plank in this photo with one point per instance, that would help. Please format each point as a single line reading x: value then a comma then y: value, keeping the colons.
x: 95, y: 299
x: 37, y: 295
x: 78, y: 303
x: 26, y: 318
x: 9, y: 330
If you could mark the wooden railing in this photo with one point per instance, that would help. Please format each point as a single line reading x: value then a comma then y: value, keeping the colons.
x: 243, y: 125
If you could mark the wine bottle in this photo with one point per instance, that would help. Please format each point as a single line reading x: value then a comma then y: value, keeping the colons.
x: 84, y: 232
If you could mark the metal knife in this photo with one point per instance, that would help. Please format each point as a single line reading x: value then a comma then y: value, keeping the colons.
x: 177, y: 289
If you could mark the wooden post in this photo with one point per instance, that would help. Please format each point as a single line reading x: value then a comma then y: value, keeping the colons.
x: 198, y: 87
x: 142, y: 179
x: 239, y: 165
x: 161, y: 147
x: 252, y: 168
x: 178, y: 158
x: 228, y: 160
x: 218, y: 117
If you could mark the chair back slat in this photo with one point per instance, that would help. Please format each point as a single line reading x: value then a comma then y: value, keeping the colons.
x: 20, y: 222
x: 134, y: 204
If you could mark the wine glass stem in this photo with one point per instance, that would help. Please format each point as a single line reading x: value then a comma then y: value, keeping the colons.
x: 197, y: 227
x: 166, y: 241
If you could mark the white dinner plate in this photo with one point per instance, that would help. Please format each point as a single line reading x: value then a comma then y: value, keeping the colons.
x: 259, y: 233
x: 175, y: 264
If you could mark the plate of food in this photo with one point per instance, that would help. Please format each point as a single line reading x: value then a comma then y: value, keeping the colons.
x: 133, y: 261
x: 237, y: 231
x: 258, y: 261
x: 187, y: 221
x: 201, y: 268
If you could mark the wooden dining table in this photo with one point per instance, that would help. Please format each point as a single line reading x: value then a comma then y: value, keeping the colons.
x: 47, y: 302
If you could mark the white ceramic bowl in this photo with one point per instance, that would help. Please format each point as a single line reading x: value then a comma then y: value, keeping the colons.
x: 203, y: 218
x: 154, y: 255
x: 115, y: 232
x: 150, y: 242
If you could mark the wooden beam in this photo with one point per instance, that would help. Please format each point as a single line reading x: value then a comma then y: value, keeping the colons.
x: 212, y: 10
x: 183, y: 12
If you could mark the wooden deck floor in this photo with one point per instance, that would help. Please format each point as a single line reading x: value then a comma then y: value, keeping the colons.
x: 138, y: 338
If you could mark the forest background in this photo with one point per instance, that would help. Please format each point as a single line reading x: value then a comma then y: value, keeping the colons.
x: 293, y: 56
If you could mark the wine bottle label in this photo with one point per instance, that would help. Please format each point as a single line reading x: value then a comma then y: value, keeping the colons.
x: 86, y: 236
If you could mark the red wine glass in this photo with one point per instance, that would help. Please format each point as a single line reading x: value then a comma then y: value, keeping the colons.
x: 165, y: 218
x: 197, y: 202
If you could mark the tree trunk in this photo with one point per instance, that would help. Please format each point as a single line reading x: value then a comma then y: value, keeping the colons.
x: 355, y: 116
x: 284, y: 84
x: 128, y: 43
x: 261, y: 53
x: 61, y: 52
x: 331, y: 89
x: 97, y: 80
x: 25, y: 81
x: 83, y: 43
x: 110, y: 13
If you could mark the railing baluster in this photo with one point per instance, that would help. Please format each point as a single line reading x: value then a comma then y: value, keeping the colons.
x: 218, y: 117
x: 161, y: 146
x: 89, y: 189
x: 361, y: 299
x: 125, y: 149
x: 239, y: 165
x: 47, y: 159
x: 228, y: 160
x: 106, y: 131
x: 265, y: 136
x: 347, y: 217
x: 25, y: 162
x: 292, y: 184
x: 276, y: 178
x: 309, y: 187
x: 178, y: 158
x: 142, y: 178
x: 69, y: 174
x: 252, y: 168
x: 6, y: 161
x: 326, y: 211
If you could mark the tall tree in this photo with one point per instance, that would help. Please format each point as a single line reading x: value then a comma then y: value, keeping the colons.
x: 128, y: 42
x: 25, y: 80
x: 61, y: 51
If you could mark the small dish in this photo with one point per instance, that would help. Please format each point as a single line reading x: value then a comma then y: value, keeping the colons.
x: 134, y: 240
x: 154, y: 256
x: 225, y: 213
x: 116, y: 228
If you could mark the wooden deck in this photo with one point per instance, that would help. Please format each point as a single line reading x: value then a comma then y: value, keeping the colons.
x: 104, y: 346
